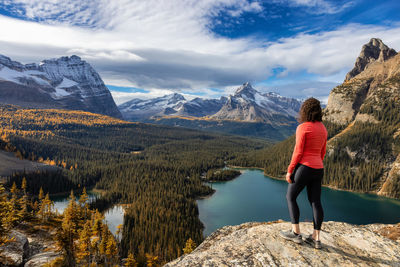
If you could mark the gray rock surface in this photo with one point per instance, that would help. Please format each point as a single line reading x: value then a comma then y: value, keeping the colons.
x: 42, y: 258
x: 13, y: 253
x: 259, y: 244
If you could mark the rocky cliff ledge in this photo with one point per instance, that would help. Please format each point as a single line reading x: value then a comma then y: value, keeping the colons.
x: 259, y: 244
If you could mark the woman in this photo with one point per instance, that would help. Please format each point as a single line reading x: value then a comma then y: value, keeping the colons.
x: 306, y: 169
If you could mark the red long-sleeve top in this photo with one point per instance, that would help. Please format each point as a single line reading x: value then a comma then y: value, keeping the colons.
x: 310, y: 146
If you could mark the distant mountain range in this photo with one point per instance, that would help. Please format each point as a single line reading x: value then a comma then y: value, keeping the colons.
x: 246, y: 112
x: 169, y: 105
x: 246, y: 105
x: 63, y: 83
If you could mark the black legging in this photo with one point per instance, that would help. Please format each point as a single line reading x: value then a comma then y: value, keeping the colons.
x: 312, y: 178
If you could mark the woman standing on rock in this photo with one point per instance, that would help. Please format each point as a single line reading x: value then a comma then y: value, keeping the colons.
x: 306, y: 169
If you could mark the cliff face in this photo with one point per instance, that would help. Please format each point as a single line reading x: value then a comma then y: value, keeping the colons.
x: 259, y: 244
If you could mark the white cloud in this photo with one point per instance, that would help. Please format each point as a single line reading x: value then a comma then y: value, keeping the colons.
x: 121, y: 97
x: 320, y: 6
x: 167, y: 45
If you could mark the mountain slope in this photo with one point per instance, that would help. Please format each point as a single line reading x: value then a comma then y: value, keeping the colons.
x: 65, y: 83
x: 363, y: 121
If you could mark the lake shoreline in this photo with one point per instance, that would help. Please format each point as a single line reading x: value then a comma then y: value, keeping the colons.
x: 225, y: 207
x: 324, y: 185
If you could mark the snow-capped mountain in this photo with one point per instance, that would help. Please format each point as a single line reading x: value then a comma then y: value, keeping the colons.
x: 143, y: 109
x: 199, y: 107
x: 169, y: 105
x: 65, y: 82
x: 247, y: 104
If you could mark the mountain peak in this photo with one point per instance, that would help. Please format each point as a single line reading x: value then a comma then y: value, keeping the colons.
x: 177, y: 96
x: 374, y: 50
x: 74, y: 59
x: 246, y: 89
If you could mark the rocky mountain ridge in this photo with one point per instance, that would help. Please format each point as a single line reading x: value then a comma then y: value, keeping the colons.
x: 246, y: 104
x: 65, y: 82
x: 259, y: 244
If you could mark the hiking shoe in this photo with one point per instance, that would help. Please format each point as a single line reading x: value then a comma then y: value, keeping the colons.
x: 290, y: 235
x: 315, y: 243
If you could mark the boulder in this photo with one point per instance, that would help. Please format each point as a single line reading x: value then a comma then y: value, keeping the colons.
x: 42, y: 258
x: 14, y: 253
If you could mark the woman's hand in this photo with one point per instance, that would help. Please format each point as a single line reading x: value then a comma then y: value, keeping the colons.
x: 288, y: 177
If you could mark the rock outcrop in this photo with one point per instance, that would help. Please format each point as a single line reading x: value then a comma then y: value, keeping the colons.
x: 41, y: 259
x: 32, y: 246
x: 65, y: 82
x: 374, y: 50
x: 14, y: 252
x: 259, y: 244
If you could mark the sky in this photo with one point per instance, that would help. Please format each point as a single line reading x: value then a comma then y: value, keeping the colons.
x: 205, y: 48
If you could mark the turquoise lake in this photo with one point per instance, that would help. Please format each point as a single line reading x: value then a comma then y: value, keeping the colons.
x: 255, y: 197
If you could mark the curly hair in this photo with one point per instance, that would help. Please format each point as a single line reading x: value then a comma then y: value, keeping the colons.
x: 310, y: 110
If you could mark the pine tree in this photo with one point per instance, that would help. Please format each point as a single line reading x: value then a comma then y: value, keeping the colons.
x: 130, y: 261
x: 24, y: 200
x: 118, y: 233
x: 84, y: 204
x: 189, y: 247
x: 41, y: 194
x: 48, y: 206
x: 68, y: 231
x: 152, y: 261
x: 14, y: 215
x: 111, y: 247
x: 103, y: 242
x: 83, y: 250
x: 6, y: 216
x: 23, y: 185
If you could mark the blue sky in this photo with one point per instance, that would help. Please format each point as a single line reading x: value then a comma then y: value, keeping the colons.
x: 204, y: 48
